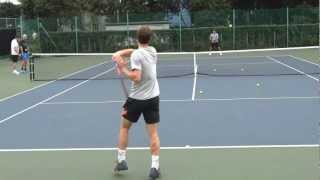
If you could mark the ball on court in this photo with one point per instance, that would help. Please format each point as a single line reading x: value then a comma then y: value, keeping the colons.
x: 230, y: 25
x: 258, y: 84
x: 201, y: 92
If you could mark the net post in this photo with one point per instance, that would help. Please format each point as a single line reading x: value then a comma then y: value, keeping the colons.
x: 31, y: 68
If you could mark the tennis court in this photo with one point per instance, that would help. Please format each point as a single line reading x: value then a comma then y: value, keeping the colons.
x: 243, y: 115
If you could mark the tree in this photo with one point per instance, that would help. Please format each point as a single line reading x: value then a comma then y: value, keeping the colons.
x: 253, y: 4
x: 9, y: 10
x: 209, y: 4
x: 47, y: 8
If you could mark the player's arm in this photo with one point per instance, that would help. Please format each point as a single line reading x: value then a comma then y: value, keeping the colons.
x: 124, y: 53
x: 134, y: 74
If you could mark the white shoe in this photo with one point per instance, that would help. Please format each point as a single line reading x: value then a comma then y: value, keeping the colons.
x: 15, y: 72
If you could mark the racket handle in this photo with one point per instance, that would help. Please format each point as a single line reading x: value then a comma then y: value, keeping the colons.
x: 117, y: 67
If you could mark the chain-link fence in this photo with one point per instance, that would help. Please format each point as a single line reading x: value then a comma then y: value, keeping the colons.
x: 8, y: 23
x: 176, y: 31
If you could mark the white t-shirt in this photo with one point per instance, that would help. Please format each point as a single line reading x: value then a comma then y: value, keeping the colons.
x: 145, y: 60
x: 214, y: 37
x: 14, y: 47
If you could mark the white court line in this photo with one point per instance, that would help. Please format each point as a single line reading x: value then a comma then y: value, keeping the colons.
x: 184, y: 100
x: 45, y: 84
x: 241, y: 63
x: 299, y: 71
x: 164, y: 148
x: 195, y: 77
x: 304, y: 60
x: 52, y: 97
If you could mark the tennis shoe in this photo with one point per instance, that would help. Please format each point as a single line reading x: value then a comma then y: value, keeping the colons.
x: 15, y: 72
x: 121, y: 166
x: 154, y: 173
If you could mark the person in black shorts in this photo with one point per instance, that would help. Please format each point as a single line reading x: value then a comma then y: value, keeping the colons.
x: 143, y: 98
x: 15, y: 54
x: 214, y: 42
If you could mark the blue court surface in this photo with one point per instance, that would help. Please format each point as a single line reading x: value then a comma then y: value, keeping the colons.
x: 197, y: 113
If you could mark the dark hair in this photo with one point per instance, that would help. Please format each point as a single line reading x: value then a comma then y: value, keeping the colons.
x: 144, y: 34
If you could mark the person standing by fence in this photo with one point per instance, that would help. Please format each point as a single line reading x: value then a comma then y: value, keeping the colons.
x: 214, y: 42
x: 15, y: 54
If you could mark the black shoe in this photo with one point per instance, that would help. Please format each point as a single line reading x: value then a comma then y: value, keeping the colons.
x: 154, y: 173
x: 121, y: 166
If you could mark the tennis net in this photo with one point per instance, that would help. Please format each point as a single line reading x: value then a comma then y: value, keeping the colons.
x: 266, y: 62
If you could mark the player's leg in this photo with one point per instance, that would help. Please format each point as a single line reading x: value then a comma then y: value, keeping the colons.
x: 123, y: 134
x: 155, y: 150
x: 14, y: 60
x: 121, y: 164
x: 129, y: 115
x: 211, y: 48
x: 154, y: 139
x: 24, y: 65
x: 152, y: 117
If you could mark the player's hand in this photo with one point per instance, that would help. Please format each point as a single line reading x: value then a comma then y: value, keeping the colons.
x: 121, y: 63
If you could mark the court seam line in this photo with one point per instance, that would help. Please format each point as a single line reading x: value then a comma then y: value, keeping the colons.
x: 52, y: 97
x: 181, y: 100
x: 187, y: 147
x: 50, y: 82
x: 288, y: 66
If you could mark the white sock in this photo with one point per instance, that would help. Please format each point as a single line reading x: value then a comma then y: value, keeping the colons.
x: 121, y: 155
x: 155, y: 162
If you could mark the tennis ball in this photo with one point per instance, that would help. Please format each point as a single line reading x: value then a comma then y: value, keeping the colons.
x: 230, y: 25
x: 200, y: 92
x: 258, y: 84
